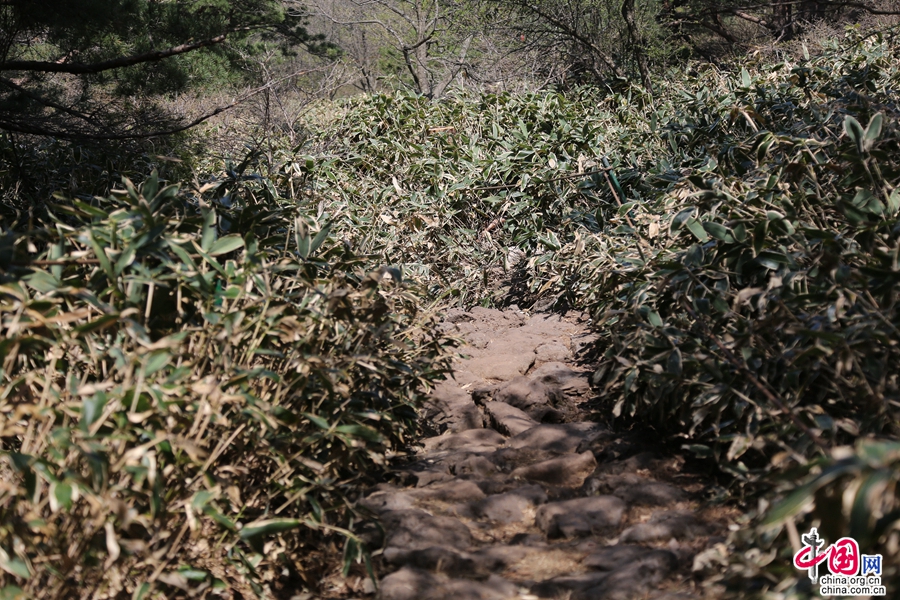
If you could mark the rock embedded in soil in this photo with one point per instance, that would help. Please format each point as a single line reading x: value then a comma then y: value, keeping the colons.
x: 568, y: 471
x: 472, y: 439
x: 508, y: 419
x: 612, y: 558
x: 387, y: 500
x: 501, y: 367
x: 563, y: 438
x: 649, y: 493
x: 510, y: 507
x: 449, y: 491
x: 416, y: 530
x: 527, y: 394
x: 665, y: 526
x: 551, y: 352
x: 563, y: 377
x: 580, y: 516
x: 505, y: 504
x: 451, y: 408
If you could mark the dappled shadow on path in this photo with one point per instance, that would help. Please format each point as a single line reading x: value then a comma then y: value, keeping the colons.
x: 522, y: 492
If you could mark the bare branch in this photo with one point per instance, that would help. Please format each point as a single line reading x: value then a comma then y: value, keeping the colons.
x: 18, y: 126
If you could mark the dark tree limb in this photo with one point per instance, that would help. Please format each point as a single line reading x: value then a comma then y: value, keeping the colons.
x: 17, y: 126
x: 637, y: 41
x: 38, y: 66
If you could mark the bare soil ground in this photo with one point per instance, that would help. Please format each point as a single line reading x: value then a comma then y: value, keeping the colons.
x: 522, y: 492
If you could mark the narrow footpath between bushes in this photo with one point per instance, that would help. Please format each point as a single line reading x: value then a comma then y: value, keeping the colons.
x: 523, y: 494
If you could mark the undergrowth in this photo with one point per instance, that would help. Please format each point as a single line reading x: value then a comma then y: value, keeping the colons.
x: 194, y: 384
x: 233, y: 357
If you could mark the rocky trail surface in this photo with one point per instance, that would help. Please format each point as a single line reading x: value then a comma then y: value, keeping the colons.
x: 523, y: 493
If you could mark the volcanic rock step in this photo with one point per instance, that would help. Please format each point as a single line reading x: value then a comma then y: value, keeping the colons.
x: 519, y: 496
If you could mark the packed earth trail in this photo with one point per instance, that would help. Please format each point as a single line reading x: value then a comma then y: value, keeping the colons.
x: 522, y: 493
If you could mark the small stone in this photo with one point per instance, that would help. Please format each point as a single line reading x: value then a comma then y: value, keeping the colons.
x: 527, y: 394
x: 551, y: 352
x: 450, y: 408
x: 408, y: 584
x: 439, y: 559
x: 416, y: 529
x: 478, y: 339
x: 562, y: 438
x: 667, y: 525
x: 563, y: 586
x: 580, y: 517
x: 568, y: 471
x: 474, y: 465
x: 612, y: 558
x: 428, y: 476
x: 480, y: 438
x: 500, y: 367
x: 450, y: 491
x: 632, y: 580
x: 510, y: 507
x: 563, y: 377
x: 495, y: 588
x: 387, y: 500
x: 496, y: 558
x: 650, y: 493
x: 508, y: 419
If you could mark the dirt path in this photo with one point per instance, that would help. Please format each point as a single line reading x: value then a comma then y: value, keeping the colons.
x: 522, y: 495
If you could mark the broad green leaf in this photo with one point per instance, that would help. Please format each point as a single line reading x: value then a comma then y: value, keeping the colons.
x: 854, y: 131
x: 894, y: 202
x: 193, y: 574
x: 91, y: 210
x: 61, y: 496
x: 319, y: 239
x: 697, y: 229
x: 98, y: 324
x: 718, y: 231
x: 156, y: 361
x: 865, y: 506
x: 91, y: 409
x: 680, y: 218
x: 226, y: 244
x: 804, y: 494
x: 14, y: 565
x: 141, y: 591
x: 102, y: 257
x: 151, y: 185
x: 209, y: 233
x: 125, y: 259
x: 318, y: 421
x: 12, y: 592
x: 41, y: 281
x: 873, y: 131
x: 268, y: 527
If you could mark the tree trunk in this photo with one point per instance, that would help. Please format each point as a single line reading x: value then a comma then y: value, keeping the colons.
x: 637, y: 43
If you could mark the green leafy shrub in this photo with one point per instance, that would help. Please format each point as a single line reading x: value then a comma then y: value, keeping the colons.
x: 767, y: 321
x: 760, y: 321
x: 186, y: 376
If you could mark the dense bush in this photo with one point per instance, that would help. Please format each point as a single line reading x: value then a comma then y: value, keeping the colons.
x: 217, y: 352
x: 185, y: 376
x: 763, y: 324
x: 739, y: 254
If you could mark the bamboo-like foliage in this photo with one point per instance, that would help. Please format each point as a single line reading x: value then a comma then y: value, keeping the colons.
x: 193, y: 377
